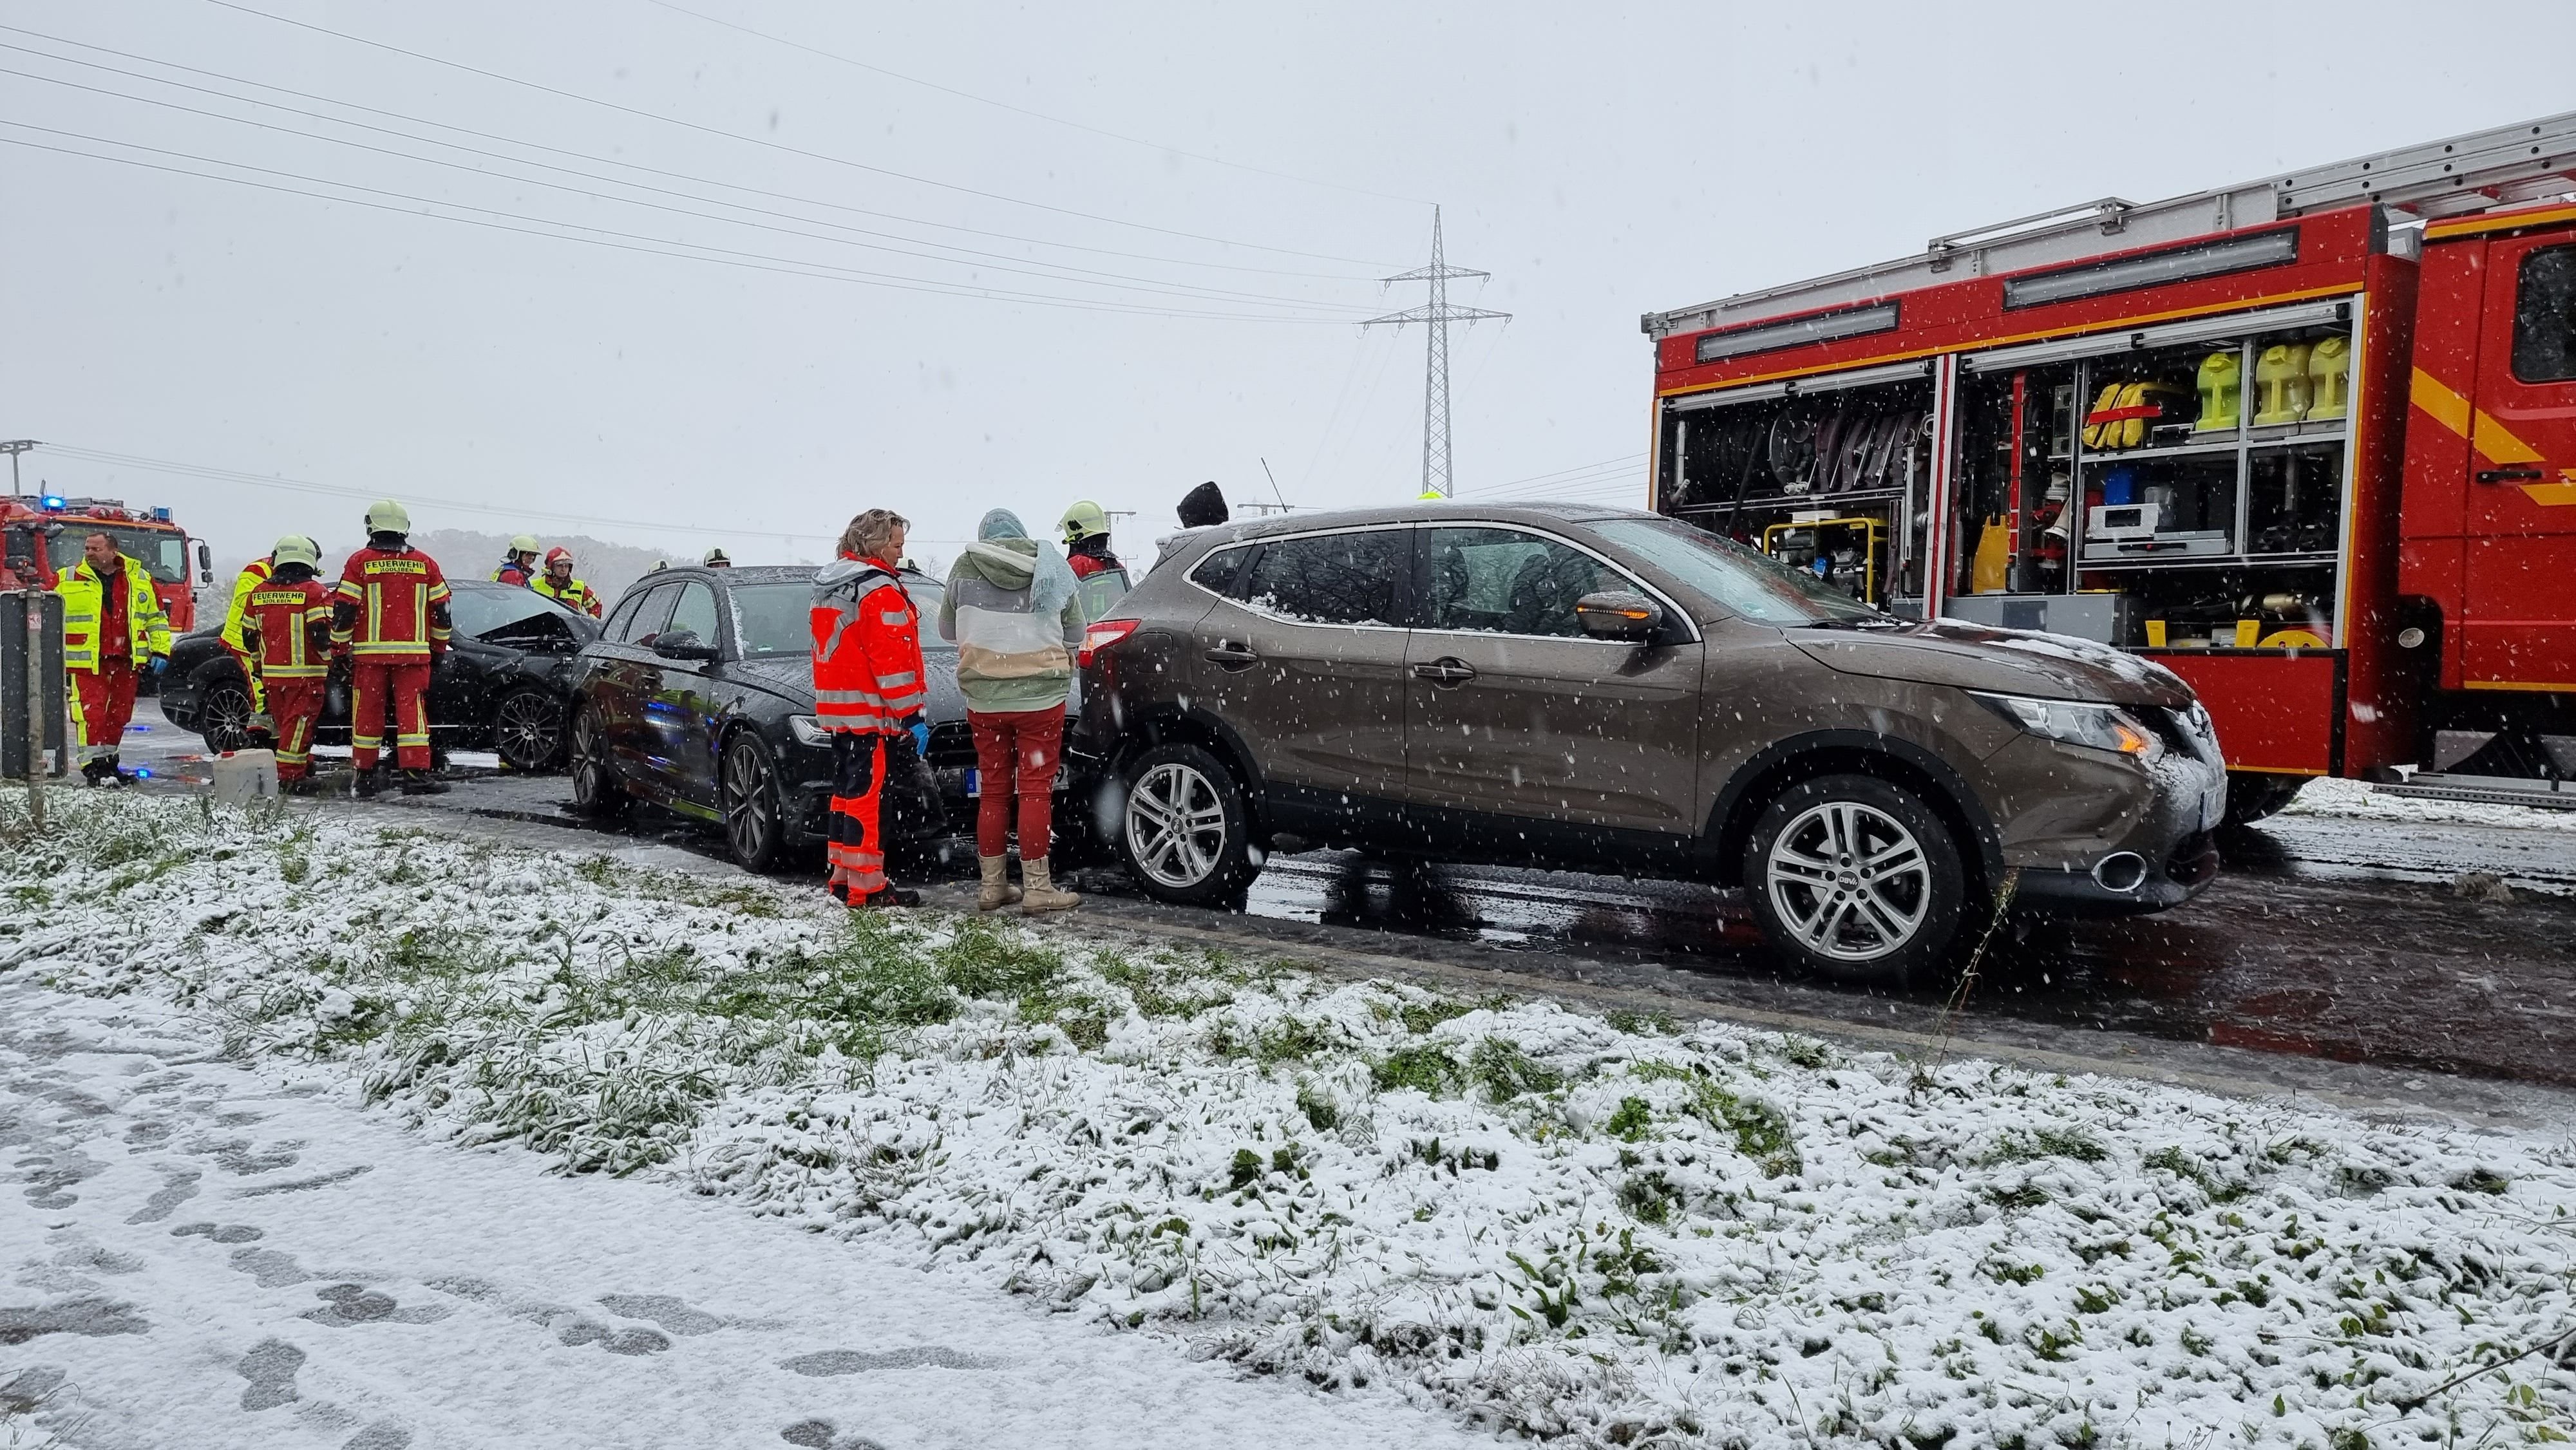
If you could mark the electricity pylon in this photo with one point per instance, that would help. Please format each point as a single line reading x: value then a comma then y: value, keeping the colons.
x: 1436, y: 317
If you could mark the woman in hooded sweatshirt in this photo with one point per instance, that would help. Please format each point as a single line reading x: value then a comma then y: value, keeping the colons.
x: 1015, y: 612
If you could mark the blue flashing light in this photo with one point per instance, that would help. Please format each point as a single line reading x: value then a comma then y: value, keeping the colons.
x: 161, y: 516
x: 143, y: 772
x: 52, y: 503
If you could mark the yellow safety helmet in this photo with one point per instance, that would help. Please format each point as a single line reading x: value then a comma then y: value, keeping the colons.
x: 525, y: 544
x: 297, y: 549
x: 1082, y: 521
x: 385, y: 516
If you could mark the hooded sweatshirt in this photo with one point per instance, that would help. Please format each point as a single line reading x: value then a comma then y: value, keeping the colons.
x: 1015, y: 613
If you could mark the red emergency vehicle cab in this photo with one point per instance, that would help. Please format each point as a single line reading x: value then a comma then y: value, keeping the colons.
x: 41, y: 535
x: 2310, y: 442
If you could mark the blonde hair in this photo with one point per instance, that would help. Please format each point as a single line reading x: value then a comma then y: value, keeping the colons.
x: 872, y: 533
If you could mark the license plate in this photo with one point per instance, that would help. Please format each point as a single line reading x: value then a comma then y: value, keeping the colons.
x: 2213, y: 800
x: 975, y: 781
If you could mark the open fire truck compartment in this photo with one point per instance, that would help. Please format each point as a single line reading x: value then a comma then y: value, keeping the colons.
x: 2309, y: 441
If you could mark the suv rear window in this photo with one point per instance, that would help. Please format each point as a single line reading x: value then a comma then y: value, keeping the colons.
x: 1329, y: 578
x: 1219, y: 572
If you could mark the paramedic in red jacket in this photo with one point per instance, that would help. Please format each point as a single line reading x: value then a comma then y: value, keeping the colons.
x: 868, y: 692
x: 389, y: 614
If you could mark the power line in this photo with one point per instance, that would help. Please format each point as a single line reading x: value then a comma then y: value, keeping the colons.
x: 1054, y: 274
x: 722, y: 256
x: 1025, y: 111
x: 576, y: 155
x: 769, y: 144
x: 1604, y: 467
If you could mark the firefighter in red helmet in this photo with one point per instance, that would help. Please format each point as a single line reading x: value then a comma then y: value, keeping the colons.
x: 868, y: 692
x: 389, y: 614
x: 558, y: 584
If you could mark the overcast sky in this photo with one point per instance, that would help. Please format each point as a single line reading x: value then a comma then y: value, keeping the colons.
x: 1600, y: 161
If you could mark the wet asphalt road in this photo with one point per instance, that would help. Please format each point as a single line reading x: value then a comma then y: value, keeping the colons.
x: 2326, y: 939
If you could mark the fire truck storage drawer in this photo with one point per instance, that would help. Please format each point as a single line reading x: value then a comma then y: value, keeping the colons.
x: 2102, y: 618
x: 2275, y: 709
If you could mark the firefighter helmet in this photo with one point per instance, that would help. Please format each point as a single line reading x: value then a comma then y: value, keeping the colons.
x: 1082, y: 521
x: 558, y: 554
x: 385, y: 516
x: 297, y: 549
x: 524, y: 544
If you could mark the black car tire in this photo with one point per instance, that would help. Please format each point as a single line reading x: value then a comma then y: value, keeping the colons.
x: 1184, y: 831
x: 747, y: 793
x: 224, y: 707
x: 1855, y: 879
x: 527, y: 729
x: 596, y: 791
x: 2253, y: 795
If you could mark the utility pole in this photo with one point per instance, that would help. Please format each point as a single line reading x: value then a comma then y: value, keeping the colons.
x: 1436, y: 318
x: 13, y: 448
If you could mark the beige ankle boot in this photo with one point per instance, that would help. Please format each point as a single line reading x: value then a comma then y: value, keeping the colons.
x: 997, y: 890
x: 1042, y: 895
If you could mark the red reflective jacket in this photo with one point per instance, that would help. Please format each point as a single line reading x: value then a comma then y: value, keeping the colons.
x: 287, y: 627
x: 392, y: 603
x: 867, y: 648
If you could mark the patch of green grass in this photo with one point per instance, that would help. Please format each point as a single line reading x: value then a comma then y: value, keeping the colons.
x: 1631, y: 1122
x: 2003, y: 1273
x: 1506, y: 1072
x: 1640, y: 1024
x: 983, y: 960
x: 2048, y: 1143
x: 1806, y: 1052
x: 1244, y: 1170
x: 1423, y: 1067
x: 1319, y: 1108
x: 2027, y: 1196
x: 1650, y: 1197
x: 1175, y: 992
x: 1421, y: 1017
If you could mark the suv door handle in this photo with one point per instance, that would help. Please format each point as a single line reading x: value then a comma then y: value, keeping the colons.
x: 1232, y: 656
x: 1445, y: 671
x: 2507, y: 475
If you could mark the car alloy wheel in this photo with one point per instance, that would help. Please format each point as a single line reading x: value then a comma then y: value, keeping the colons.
x: 595, y: 791
x: 1849, y: 881
x: 1176, y: 825
x: 527, y: 730
x: 750, y: 801
x: 223, y: 716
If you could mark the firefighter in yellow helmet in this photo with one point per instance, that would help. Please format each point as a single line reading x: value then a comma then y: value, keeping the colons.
x: 519, y: 566
x: 1086, y: 539
x: 113, y: 630
x: 288, y: 632
x: 558, y: 584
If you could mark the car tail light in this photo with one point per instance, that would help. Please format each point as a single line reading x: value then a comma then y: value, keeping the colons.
x: 1102, y: 634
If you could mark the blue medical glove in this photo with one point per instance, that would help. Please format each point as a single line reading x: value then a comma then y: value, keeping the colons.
x: 160, y: 664
x: 920, y: 737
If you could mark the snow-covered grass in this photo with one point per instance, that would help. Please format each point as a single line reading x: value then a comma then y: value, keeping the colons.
x: 2357, y: 800
x: 1617, y: 1230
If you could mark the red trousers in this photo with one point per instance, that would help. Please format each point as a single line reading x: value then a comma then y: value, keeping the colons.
x: 102, y: 703
x: 294, y: 704
x: 371, y: 679
x: 856, y: 845
x: 1016, y: 753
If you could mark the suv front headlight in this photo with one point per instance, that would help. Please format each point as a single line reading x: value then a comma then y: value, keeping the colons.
x: 2096, y: 727
x: 808, y: 730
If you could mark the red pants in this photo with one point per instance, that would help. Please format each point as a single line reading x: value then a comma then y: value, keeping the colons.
x: 102, y: 703
x: 1016, y: 753
x: 294, y: 704
x: 371, y: 678
x: 856, y: 848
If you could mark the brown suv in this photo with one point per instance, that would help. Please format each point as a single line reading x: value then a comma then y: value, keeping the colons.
x: 1604, y: 690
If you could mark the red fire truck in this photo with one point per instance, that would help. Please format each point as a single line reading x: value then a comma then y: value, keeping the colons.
x: 41, y: 535
x: 2310, y: 442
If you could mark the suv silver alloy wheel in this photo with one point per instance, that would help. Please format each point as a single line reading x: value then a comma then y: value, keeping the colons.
x: 1849, y: 881
x: 1175, y: 825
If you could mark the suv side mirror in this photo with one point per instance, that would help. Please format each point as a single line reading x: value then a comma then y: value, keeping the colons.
x: 205, y: 564
x: 682, y: 644
x: 1619, y: 614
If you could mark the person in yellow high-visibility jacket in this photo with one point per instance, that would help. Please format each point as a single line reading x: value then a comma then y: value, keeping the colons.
x: 558, y: 584
x: 253, y: 574
x: 113, y: 629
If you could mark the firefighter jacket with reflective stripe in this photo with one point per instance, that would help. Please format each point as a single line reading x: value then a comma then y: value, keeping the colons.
x: 253, y: 574
x: 867, y: 648
x: 287, y: 628
x: 391, y: 603
x: 513, y: 572
x: 89, y: 613
x: 573, y: 594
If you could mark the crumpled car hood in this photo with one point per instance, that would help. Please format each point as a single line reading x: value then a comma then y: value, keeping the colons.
x: 2005, y: 661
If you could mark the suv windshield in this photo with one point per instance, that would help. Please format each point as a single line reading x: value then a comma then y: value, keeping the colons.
x: 777, y: 619
x: 164, y: 552
x: 1734, y: 577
